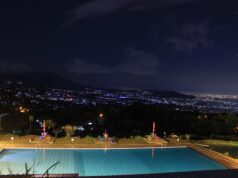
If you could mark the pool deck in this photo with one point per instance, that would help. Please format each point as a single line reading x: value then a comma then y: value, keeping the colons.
x: 227, y: 161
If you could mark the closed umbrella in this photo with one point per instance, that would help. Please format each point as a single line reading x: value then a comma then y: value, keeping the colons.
x: 153, y: 128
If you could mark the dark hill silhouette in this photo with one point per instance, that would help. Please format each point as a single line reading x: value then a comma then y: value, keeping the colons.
x: 43, y: 80
x: 171, y: 94
x: 39, y: 80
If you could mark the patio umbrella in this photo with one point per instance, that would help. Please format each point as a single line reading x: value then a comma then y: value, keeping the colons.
x: 153, y: 127
x: 44, y: 128
x: 105, y: 134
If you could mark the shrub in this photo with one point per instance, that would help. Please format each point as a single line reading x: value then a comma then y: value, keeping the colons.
x: 69, y: 130
x: 187, y: 137
x: 226, y: 153
x: 138, y: 137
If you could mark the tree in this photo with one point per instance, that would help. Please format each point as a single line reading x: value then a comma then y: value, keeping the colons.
x: 69, y: 130
x: 1, y: 116
x: 31, y: 119
x: 56, y: 131
x: 231, y: 121
x: 50, y: 124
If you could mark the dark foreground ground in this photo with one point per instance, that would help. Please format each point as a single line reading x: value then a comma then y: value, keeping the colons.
x: 231, y: 173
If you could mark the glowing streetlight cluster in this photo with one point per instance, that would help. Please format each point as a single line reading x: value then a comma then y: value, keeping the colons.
x: 23, y: 110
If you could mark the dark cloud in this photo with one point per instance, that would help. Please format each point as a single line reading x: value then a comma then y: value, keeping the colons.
x: 139, y: 62
x: 188, y: 36
x: 105, y: 7
x: 6, y: 67
x: 84, y: 67
x: 136, y: 62
x: 159, y: 31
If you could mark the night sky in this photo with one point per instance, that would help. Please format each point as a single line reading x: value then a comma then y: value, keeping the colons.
x: 183, y: 45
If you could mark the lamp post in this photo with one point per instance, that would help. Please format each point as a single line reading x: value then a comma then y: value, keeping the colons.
x: 12, y: 138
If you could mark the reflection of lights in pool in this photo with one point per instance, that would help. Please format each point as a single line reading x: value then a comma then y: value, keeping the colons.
x: 177, y: 159
x: 90, y: 123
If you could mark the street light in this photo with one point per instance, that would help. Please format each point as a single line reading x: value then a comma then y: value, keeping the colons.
x: 101, y: 115
x: 12, y: 138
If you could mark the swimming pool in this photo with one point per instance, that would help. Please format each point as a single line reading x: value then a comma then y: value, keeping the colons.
x: 93, y: 162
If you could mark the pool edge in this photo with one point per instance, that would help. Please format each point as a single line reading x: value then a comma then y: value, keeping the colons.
x: 228, y: 162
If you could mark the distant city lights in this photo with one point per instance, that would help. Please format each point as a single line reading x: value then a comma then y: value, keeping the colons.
x: 23, y: 110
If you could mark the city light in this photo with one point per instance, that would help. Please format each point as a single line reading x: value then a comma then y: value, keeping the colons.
x: 23, y: 110
x: 101, y: 115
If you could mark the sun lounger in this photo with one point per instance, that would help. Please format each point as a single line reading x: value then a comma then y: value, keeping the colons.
x: 48, y: 140
x: 105, y: 141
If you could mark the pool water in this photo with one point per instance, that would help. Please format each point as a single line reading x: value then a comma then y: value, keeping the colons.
x: 105, y: 162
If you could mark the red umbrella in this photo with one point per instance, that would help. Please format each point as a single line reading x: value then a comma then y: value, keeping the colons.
x: 153, y: 126
x: 44, y: 125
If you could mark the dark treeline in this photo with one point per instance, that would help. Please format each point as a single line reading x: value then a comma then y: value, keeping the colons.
x: 125, y: 121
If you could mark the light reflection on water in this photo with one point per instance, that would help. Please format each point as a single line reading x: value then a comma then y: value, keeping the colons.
x: 105, y: 161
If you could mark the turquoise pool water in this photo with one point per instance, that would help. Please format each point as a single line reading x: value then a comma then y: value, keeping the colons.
x: 101, y: 162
